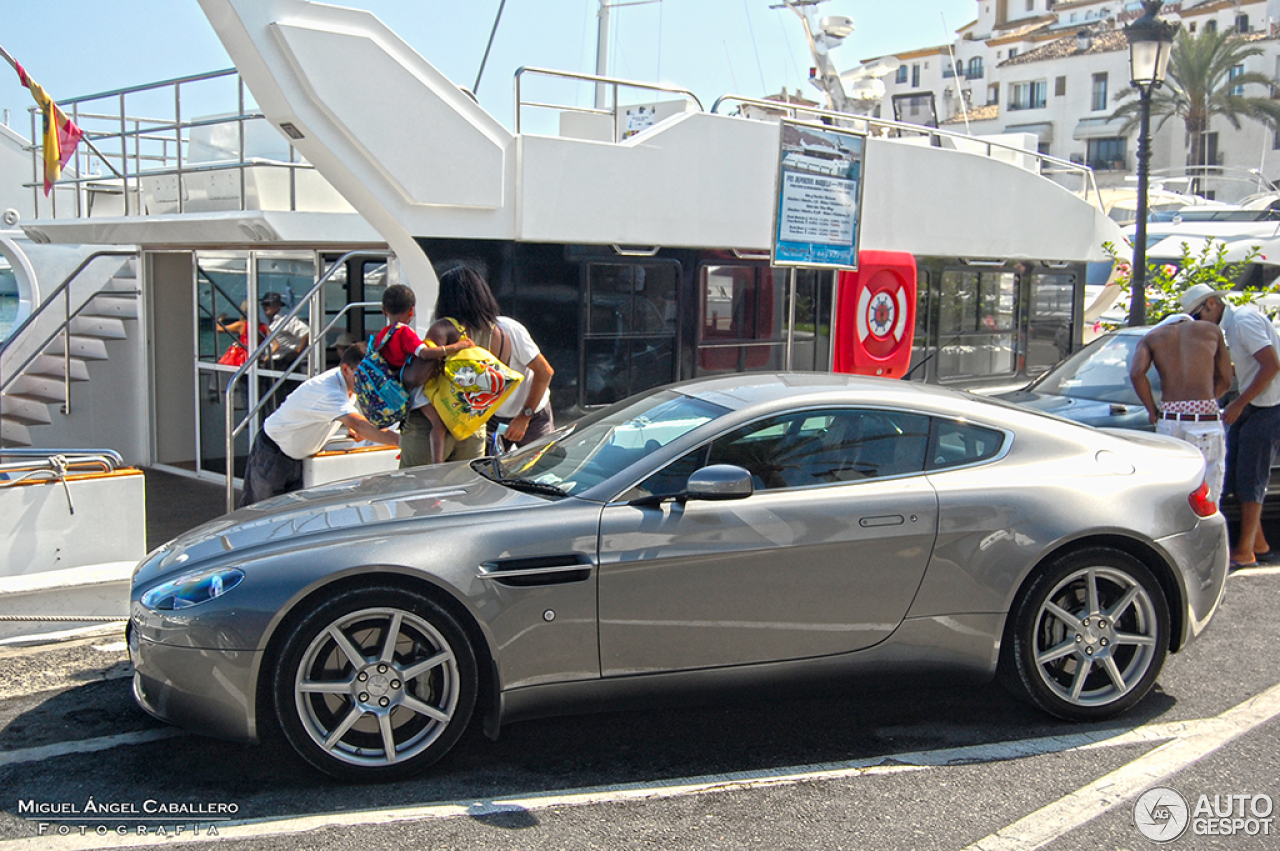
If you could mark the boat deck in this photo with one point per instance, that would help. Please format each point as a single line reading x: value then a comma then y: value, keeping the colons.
x: 178, y: 503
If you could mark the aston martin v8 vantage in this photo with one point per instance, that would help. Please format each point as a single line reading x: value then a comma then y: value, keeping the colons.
x: 754, y: 529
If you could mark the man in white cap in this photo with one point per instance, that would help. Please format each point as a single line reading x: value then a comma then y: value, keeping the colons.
x: 1195, y: 370
x: 1253, y: 417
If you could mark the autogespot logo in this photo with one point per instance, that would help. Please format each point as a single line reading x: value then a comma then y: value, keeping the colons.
x: 1161, y: 814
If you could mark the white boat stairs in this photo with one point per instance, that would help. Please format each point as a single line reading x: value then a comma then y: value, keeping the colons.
x: 50, y: 354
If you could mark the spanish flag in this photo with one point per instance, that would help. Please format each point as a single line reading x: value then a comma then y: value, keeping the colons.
x: 61, y: 135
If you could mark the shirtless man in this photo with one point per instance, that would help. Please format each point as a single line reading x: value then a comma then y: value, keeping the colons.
x: 1195, y: 370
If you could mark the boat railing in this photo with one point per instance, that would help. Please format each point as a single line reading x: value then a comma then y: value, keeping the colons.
x: 311, y: 298
x: 1222, y: 180
x: 40, y: 461
x: 121, y: 149
x: 62, y: 293
x: 55, y: 465
x: 610, y: 84
x: 993, y: 148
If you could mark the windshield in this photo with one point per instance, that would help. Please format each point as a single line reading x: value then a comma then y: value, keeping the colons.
x: 596, y: 448
x: 1099, y: 371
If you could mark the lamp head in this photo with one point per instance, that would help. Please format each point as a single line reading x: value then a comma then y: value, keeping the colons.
x: 1150, y: 42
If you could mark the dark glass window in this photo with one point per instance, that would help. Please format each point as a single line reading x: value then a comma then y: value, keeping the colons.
x: 809, y: 448
x: 976, y: 325
x: 630, y: 342
x: 1099, y: 93
x: 954, y: 444
x: 1106, y: 153
x: 743, y: 318
x: 1236, y: 71
x: 825, y: 447
x: 811, y: 331
x: 1049, y: 322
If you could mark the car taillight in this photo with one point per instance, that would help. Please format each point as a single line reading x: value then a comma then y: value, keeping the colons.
x: 1200, y: 502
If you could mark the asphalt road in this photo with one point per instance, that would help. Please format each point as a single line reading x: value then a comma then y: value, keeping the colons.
x: 924, y: 767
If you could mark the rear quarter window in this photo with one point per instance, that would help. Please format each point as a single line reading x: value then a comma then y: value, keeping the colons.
x: 955, y: 444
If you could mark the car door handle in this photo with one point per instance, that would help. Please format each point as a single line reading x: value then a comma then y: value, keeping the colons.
x: 882, y: 520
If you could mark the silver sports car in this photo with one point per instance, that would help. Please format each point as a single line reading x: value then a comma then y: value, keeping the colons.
x: 744, y: 530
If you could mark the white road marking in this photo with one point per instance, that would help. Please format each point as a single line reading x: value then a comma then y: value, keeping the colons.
x: 1110, y: 791
x: 102, y: 743
x: 1184, y: 743
x: 1256, y: 571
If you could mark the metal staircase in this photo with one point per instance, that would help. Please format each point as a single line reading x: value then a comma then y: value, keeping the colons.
x: 53, y: 350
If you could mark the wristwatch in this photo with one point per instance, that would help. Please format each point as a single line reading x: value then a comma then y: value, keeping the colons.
x: 528, y: 412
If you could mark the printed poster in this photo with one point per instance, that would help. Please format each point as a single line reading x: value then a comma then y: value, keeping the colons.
x: 818, y: 209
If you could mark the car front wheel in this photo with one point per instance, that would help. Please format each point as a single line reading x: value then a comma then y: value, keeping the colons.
x: 375, y: 684
x: 1089, y: 635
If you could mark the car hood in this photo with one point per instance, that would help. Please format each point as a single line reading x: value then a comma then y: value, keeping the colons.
x: 421, y: 493
x: 1088, y: 411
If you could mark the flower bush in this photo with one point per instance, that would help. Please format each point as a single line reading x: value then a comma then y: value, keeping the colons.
x: 1167, y: 281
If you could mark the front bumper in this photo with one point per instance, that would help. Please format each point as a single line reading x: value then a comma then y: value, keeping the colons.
x: 206, y: 692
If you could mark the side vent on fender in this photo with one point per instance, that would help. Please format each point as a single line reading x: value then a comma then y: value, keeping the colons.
x: 538, y: 570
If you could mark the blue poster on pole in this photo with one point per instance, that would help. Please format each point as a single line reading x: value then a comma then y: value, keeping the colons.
x: 818, y: 209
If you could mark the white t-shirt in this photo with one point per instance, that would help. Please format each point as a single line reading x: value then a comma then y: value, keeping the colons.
x: 290, y: 338
x: 1248, y: 332
x: 519, y: 350
x: 308, y: 417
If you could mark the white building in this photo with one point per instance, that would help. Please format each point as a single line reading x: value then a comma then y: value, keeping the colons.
x: 1053, y: 69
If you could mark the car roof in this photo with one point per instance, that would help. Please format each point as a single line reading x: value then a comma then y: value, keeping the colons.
x: 751, y: 389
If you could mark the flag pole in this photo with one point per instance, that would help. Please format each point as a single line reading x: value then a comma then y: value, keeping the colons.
x: 8, y: 58
x: 85, y: 139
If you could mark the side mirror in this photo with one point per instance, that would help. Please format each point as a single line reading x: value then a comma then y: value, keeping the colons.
x: 719, y: 481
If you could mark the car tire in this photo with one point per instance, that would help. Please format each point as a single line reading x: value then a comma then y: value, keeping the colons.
x: 361, y: 708
x: 1088, y: 636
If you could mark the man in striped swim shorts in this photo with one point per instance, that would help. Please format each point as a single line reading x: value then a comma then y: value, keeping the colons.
x: 1195, y: 369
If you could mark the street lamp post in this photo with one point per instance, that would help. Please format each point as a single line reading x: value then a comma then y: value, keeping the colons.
x: 1150, y: 41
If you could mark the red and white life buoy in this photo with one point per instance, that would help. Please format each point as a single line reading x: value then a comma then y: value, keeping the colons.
x: 882, y: 316
x: 878, y: 305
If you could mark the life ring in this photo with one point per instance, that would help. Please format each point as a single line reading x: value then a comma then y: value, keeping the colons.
x: 882, y: 314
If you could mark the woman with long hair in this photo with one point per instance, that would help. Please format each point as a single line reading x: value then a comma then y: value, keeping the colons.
x: 465, y: 306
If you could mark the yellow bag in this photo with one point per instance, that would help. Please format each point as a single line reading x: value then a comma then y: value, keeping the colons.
x: 471, y: 385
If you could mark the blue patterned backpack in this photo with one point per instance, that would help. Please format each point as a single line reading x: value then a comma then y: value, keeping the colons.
x: 382, y: 397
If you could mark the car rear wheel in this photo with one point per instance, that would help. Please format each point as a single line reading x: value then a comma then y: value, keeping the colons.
x: 375, y: 684
x: 1089, y: 635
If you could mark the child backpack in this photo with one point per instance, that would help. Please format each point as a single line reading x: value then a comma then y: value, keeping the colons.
x: 382, y: 397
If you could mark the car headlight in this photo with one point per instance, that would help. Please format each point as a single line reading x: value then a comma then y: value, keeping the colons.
x: 192, y: 589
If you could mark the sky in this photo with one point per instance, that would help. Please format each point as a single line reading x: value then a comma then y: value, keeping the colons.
x: 75, y: 48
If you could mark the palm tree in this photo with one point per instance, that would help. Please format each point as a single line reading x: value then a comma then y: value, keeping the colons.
x: 1200, y: 86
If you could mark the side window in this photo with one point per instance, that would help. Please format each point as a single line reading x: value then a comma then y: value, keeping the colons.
x: 807, y: 448
x: 954, y: 444
x: 671, y: 479
x: 825, y: 447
